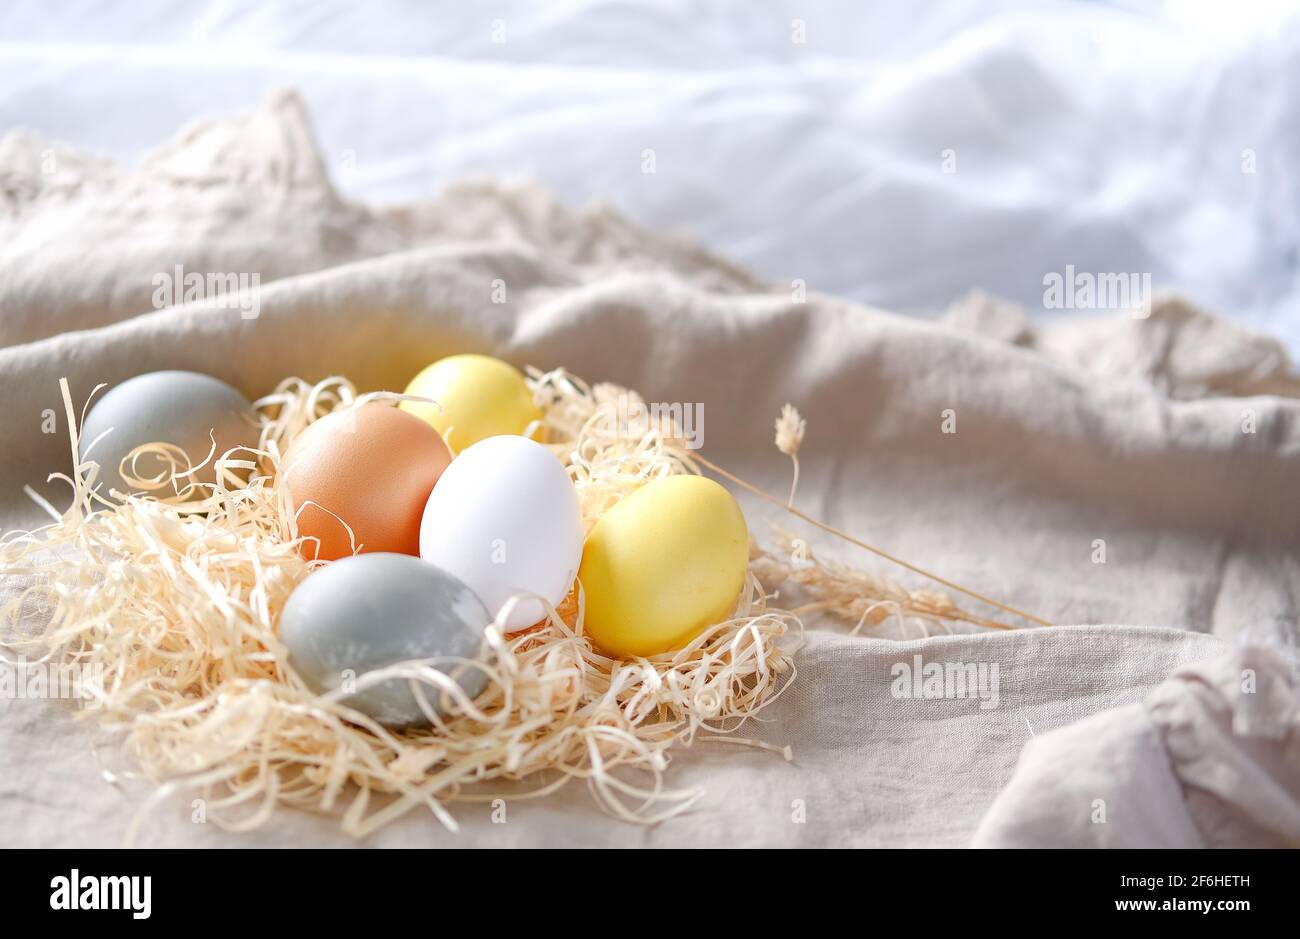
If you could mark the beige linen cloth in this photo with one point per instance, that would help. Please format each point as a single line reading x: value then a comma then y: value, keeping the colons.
x: 1107, y: 471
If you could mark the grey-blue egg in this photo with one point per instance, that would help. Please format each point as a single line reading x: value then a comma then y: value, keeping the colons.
x: 181, y: 408
x: 365, y: 612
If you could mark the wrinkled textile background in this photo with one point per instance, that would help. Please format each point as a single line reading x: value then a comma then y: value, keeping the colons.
x: 1132, y: 445
x: 802, y: 139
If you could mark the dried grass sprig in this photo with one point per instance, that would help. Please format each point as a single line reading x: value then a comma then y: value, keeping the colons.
x: 854, y: 595
x: 790, y: 429
x: 894, y: 559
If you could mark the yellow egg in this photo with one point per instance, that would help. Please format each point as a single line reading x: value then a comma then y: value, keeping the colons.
x: 662, y: 564
x: 479, y: 397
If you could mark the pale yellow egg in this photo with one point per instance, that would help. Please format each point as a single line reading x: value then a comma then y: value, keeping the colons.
x: 663, y: 564
x: 478, y: 397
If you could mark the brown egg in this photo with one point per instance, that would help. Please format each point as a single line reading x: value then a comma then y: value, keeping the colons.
x: 374, y: 468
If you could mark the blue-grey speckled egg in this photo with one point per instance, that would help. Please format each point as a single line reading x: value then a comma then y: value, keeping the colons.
x: 366, y: 612
x: 180, y: 408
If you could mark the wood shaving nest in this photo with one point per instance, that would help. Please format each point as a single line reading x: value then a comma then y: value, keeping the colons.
x: 174, y: 600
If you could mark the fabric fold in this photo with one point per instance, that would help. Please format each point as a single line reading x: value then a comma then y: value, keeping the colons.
x: 1211, y: 758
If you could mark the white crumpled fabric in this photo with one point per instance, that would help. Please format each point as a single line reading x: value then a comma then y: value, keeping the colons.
x: 1211, y: 758
x: 882, y: 152
x: 1056, y: 464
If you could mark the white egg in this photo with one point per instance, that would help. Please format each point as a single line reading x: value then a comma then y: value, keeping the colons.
x: 504, y: 519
